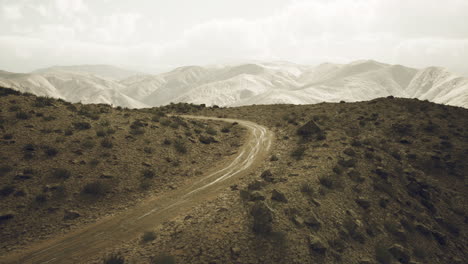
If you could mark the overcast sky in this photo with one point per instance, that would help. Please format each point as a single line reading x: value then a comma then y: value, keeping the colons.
x: 153, y: 34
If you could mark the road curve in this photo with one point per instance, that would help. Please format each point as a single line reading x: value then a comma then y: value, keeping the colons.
x: 81, y: 245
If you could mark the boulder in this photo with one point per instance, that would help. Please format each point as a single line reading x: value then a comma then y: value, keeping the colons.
x: 308, y: 129
x: 257, y: 196
x: 278, y: 196
x: 317, y: 245
x: 70, y: 215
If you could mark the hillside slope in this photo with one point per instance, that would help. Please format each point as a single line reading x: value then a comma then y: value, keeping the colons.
x: 382, y: 181
x: 64, y: 165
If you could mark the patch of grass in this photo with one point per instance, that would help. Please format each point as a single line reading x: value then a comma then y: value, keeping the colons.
x: 101, y: 132
x: 148, y: 150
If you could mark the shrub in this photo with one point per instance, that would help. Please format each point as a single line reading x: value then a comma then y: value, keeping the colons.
x: 68, y: 132
x: 174, y: 125
x: 107, y: 143
x: 61, y: 173
x: 43, y: 101
x: 148, y: 173
x: 327, y: 181
x: 14, y: 108
x: 88, y: 143
x: 22, y: 115
x: 4, y: 169
x: 165, y: 122
x: 179, y: 145
x: 41, y: 198
x: 148, y: 236
x: 51, y: 151
x: 148, y: 150
x: 167, y: 141
x: 137, y: 131
x: 298, y: 152
x: 115, y: 258
x: 101, y: 132
x: 82, y: 125
x: 382, y: 255
x: 307, y: 188
x: 96, y: 188
x: 226, y: 129
x: 163, y: 259
x: 7, y: 190
x: 211, y: 131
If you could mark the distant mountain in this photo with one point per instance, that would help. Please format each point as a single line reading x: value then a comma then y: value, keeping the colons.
x: 70, y: 86
x: 106, y: 71
x: 247, y: 84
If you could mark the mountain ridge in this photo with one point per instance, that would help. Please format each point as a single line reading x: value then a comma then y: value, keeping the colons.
x: 246, y: 84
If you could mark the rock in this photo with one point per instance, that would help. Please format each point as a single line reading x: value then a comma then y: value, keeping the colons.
x: 365, y: 261
x: 313, y: 221
x: 262, y: 218
x: 399, y: 253
x: 21, y: 176
x: 267, y: 176
x: 298, y: 220
x: 106, y: 175
x: 278, y: 196
x: 70, y: 215
x: 317, y: 245
x: 4, y: 216
x: 355, y: 175
x: 382, y: 173
x: 207, y: 139
x: 308, y: 129
x: 257, y: 196
x: 363, y: 202
x: 347, y: 162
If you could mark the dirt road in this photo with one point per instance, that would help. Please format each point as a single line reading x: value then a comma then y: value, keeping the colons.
x: 78, y: 246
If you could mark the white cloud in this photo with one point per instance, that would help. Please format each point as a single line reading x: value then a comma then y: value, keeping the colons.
x: 12, y: 12
x: 416, y: 32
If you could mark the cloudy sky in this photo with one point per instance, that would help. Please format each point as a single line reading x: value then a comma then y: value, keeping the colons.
x: 156, y: 34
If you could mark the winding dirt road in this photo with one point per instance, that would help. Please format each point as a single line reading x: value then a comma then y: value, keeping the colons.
x: 78, y: 246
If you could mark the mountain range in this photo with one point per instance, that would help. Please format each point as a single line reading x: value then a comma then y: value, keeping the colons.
x: 243, y: 84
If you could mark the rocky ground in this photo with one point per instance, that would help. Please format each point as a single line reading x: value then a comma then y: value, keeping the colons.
x: 65, y: 165
x: 382, y: 181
